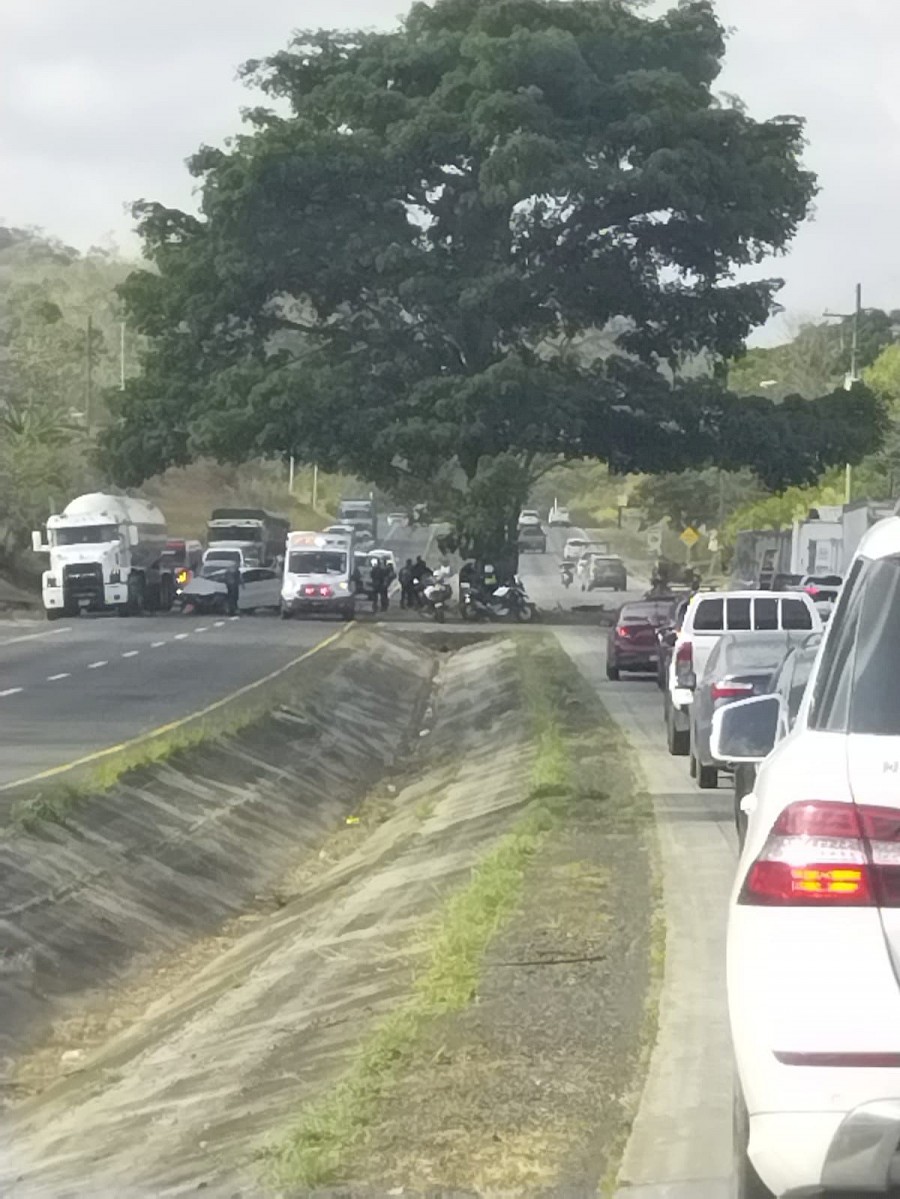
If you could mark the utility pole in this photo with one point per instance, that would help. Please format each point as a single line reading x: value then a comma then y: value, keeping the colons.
x: 315, y: 485
x: 291, y: 475
x: 121, y: 355
x: 854, y: 376
x: 88, y: 373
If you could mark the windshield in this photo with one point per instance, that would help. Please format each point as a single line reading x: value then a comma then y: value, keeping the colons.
x: 223, y: 556
x: 86, y: 534
x: 317, y: 562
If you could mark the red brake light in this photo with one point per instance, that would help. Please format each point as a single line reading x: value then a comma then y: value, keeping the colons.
x: 840, y: 854
x: 812, y: 589
x: 325, y: 591
x: 731, y: 690
x: 623, y: 630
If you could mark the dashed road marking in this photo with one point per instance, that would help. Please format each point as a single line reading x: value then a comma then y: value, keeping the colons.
x: 131, y: 653
x: 181, y: 636
x: 157, y: 644
x: 203, y: 628
x: 54, y: 678
x: 234, y: 618
x: 219, y: 624
x: 97, y: 665
x: 10, y: 691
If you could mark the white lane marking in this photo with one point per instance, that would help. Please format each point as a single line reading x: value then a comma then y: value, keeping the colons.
x: 97, y: 665
x: 10, y: 691
x: 181, y: 636
x: 157, y: 644
x: 54, y: 678
x: 131, y: 653
x: 203, y: 628
x: 35, y: 636
x: 234, y: 618
x: 219, y: 624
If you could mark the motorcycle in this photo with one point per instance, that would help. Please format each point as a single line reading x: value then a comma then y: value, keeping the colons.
x: 507, y: 602
x: 567, y: 574
x: 434, y: 595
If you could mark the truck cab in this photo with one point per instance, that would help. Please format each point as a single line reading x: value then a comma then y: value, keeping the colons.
x: 106, y: 553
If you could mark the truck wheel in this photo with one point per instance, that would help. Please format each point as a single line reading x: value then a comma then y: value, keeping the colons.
x: 167, y: 593
x: 55, y: 613
x: 286, y: 614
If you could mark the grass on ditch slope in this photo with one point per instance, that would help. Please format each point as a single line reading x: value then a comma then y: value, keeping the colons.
x: 311, y: 1155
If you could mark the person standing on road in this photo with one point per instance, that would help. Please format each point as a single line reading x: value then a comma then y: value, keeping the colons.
x: 407, y: 589
x: 379, y: 585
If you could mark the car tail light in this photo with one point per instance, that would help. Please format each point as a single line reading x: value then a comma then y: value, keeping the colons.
x: 811, y: 589
x: 325, y: 591
x: 731, y: 690
x: 309, y: 589
x: 834, y: 854
x: 623, y: 630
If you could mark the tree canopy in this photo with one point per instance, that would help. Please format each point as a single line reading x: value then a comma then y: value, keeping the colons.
x: 504, y: 233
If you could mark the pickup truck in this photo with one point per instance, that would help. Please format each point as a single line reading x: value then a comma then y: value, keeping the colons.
x: 707, y: 617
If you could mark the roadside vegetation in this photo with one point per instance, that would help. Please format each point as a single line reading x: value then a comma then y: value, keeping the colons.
x: 389, y: 1118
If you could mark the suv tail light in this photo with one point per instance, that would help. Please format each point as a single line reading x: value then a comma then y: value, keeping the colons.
x: 623, y: 630
x: 684, y: 660
x: 834, y: 854
x: 729, y: 690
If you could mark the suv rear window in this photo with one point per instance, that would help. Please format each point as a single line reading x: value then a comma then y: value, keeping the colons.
x: 709, y: 616
x: 795, y: 615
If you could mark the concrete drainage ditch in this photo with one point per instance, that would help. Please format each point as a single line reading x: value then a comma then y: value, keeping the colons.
x: 193, y: 953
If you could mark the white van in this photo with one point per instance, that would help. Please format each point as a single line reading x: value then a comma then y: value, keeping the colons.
x: 319, y: 575
x: 708, y: 616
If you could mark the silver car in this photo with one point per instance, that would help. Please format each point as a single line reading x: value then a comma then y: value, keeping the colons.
x: 739, y: 666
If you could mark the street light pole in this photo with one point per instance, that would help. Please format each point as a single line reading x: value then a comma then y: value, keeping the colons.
x: 853, y: 377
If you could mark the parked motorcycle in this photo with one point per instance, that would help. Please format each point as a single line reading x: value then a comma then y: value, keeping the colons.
x: 434, y: 595
x: 508, y: 602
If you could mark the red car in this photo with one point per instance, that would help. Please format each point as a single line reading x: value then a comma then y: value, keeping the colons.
x: 632, y: 643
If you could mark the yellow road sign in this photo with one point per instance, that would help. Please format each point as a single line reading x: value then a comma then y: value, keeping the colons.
x: 690, y: 537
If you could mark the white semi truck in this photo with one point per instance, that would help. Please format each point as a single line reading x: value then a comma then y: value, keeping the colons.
x: 107, y: 553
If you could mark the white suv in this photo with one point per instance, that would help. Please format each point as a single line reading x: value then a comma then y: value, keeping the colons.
x: 708, y: 616
x: 814, y: 920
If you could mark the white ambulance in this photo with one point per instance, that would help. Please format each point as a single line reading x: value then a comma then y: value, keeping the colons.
x: 319, y: 575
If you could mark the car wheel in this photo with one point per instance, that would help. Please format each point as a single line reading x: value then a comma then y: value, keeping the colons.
x: 708, y: 777
x: 612, y: 673
x: 678, y: 741
x: 747, y: 1183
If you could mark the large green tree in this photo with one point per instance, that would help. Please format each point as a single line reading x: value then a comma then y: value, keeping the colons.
x: 505, y: 231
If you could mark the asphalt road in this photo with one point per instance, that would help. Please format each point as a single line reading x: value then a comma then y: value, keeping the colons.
x: 71, y: 689
x: 680, y: 1145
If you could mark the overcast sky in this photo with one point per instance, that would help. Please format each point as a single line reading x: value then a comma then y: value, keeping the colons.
x: 102, y: 100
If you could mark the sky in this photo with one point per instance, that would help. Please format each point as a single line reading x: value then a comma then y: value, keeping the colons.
x: 102, y: 101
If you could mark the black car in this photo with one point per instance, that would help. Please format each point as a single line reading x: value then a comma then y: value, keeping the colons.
x: 532, y: 538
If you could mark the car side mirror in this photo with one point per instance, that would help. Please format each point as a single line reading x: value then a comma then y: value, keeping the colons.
x: 747, y: 731
x: 38, y: 544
